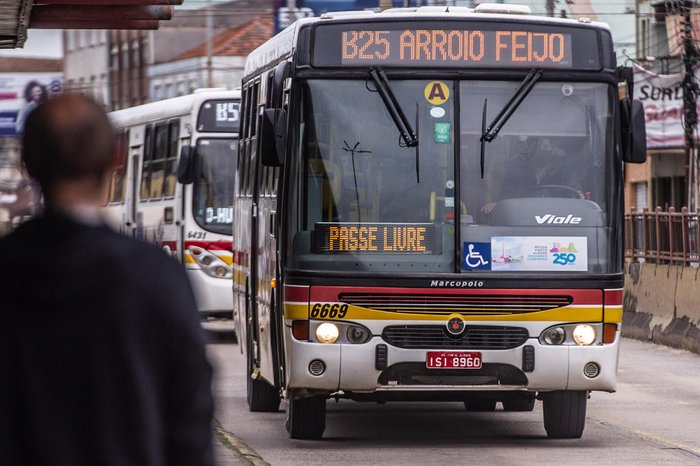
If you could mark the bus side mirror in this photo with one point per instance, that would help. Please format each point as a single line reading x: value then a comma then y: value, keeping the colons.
x: 273, y: 137
x: 634, y: 133
x: 186, y: 166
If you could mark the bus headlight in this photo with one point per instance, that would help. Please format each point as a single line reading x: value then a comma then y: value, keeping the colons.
x: 210, y: 264
x: 554, y: 336
x: 584, y: 335
x: 327, y: 333
x: 572, y: 335
x: 357, y: 334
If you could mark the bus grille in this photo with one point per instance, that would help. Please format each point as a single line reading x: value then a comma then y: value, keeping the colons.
x: 445, y: 304
x: 415, y: 373
x: 437, y: 337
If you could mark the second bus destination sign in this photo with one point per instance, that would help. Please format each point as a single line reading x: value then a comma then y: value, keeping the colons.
x: 465, y: 45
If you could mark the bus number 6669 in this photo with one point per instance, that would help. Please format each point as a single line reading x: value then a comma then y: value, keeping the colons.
x: 329, y: 310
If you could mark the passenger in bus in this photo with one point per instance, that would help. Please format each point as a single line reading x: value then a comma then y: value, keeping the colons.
x: 101, y: 349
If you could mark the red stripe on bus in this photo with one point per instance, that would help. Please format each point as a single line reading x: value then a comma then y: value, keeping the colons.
x: 614, y: 297
x: 580, y: 297
x: 296, y: 293
x: 210, y: 246
x: 171, y: 244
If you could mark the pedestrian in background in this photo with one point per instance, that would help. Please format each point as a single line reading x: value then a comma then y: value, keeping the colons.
x: 102, y: 356
x: 35, y: 94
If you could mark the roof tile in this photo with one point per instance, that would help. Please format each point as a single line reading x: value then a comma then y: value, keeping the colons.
x: 235, y: 42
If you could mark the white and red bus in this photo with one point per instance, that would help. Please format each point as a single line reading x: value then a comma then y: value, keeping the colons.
x: 429, y: 207
x: 173, y: 185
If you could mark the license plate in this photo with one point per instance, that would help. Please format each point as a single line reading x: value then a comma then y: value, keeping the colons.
x: 453, y: 360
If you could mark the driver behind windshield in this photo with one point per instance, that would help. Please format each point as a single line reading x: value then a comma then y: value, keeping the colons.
x: 536, y: 167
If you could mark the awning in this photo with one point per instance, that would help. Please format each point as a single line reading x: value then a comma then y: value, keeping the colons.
x: 16, y: 16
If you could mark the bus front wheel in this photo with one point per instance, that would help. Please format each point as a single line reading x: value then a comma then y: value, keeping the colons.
x: 306, y: 417
x: 262, y: 397
x: 564, y: 413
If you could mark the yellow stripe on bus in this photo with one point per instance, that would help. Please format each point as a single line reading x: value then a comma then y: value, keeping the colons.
x: 226, y: 257
x: 578, y: 314
x: 613, y: 314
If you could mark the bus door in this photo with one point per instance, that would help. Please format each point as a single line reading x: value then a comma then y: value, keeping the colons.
x: 130, y: 212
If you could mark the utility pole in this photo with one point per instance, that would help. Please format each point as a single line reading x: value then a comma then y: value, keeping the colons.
x: 690, y: 94
x: 549, y: 7
x: 210, y: 38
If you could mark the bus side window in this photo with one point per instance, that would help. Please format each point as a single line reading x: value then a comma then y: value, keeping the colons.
x: 158, y: 162
x: 146, y: 163
x: 171, y: 160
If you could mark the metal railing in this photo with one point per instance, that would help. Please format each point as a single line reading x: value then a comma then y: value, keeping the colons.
x: 662, y: 237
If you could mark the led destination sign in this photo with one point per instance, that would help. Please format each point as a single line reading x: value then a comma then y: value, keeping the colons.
x: 374, y: 238
x: 219, y: 115
x: 462, y: 45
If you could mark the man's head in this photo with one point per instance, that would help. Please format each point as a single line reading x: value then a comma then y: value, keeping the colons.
x: 68, y: 142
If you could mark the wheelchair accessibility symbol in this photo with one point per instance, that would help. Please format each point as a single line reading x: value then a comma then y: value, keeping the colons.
x: 476, y: 256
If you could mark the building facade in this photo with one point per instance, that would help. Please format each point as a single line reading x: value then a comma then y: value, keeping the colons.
x: 193, y: 68
x: 85, y: 60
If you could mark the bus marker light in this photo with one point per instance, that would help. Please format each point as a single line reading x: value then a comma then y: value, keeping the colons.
x: 591, y: 370
x: 609, y: 333
x: 327, y: 333
x: 300, y: 330
x: 317, y: 367
x: 584, y: 335
x: 273, y: 283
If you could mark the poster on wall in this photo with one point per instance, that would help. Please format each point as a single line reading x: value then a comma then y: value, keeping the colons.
x: 20, y: 93
x: 662, y: 97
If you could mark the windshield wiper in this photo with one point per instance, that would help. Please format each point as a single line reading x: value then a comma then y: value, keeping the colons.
x: 392, y: 105
x: 490, y: 133
x: 508, y: 109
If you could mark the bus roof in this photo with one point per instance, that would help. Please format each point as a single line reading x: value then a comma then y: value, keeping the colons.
x: 168, y: 108
x: 283, y: 44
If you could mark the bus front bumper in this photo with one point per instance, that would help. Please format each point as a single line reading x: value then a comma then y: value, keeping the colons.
x: 353, y: 368
x: 213, y: 295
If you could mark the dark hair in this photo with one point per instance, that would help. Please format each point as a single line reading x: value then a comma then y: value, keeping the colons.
x: 28, y: 91
x: 67, y: 138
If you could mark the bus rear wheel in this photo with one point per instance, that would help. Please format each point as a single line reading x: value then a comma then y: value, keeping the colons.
x: 306, y: 417
x: 564, y: 413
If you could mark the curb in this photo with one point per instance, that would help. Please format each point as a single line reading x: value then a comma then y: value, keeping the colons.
x: 247, y: 455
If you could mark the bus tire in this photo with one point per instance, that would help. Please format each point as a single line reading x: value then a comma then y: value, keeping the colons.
x: 262, y: 397
x: 520, y: 403
x: 480, y: 405
x: 306, y: 418
x: 564, y: 413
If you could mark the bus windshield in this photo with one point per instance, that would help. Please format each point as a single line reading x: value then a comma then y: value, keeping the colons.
x: 213, y: 188
x: 543, y: 192
x: 364, y: 201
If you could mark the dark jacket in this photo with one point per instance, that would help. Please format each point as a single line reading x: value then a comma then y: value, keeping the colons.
x: 102, y: 357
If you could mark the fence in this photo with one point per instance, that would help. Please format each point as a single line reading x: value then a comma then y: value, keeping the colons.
x: 662, y: 237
